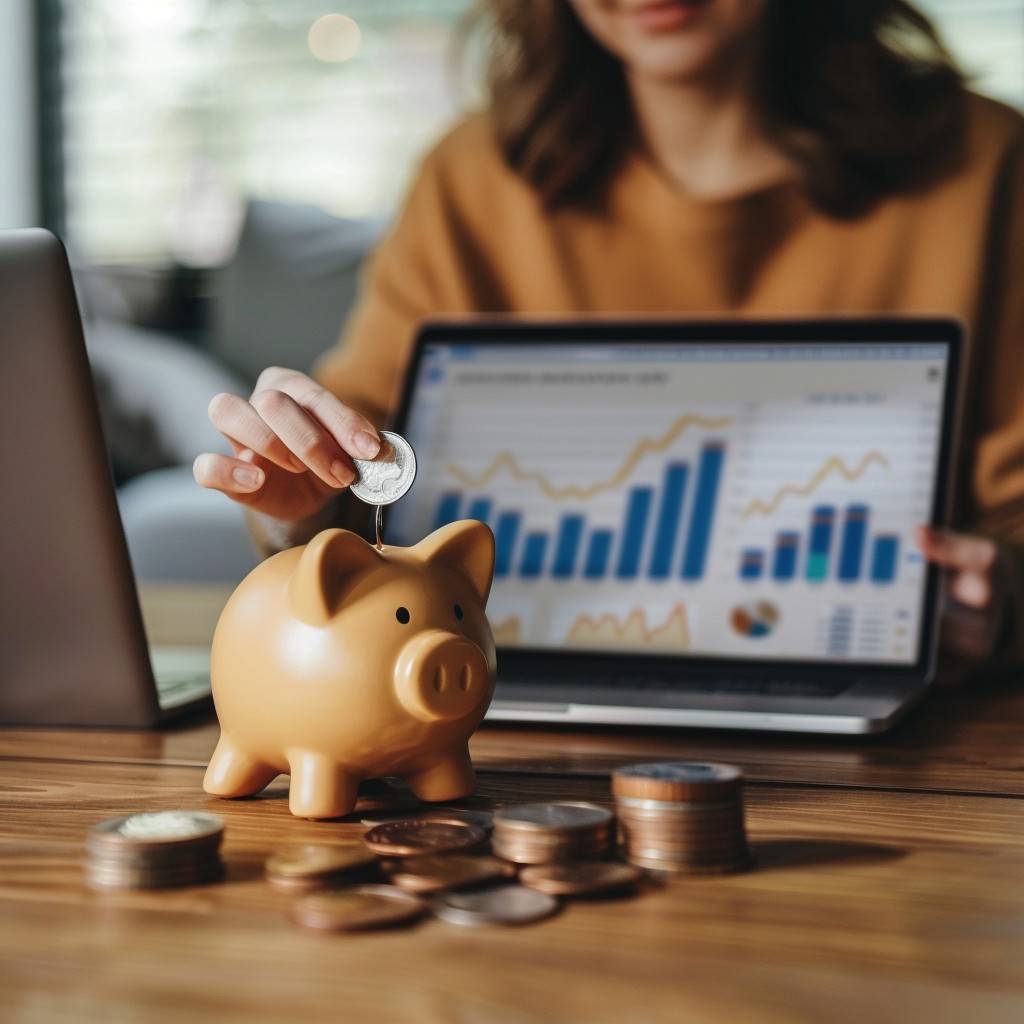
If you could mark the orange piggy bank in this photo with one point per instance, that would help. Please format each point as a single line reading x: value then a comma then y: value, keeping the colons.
x: 336, y: 662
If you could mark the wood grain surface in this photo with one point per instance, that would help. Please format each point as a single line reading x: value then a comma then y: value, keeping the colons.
x: 889, y: 886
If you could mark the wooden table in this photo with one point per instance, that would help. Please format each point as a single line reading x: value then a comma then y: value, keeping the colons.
x: 890, y: 886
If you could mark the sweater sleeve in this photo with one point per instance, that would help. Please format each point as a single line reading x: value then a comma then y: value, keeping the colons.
x: 998, y: 399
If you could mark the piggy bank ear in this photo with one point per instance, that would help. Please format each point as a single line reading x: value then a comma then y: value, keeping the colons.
x: 330, y: 561
x: 466, y: 546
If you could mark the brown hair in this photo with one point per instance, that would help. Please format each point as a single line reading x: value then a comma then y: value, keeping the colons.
x: 861, y: 94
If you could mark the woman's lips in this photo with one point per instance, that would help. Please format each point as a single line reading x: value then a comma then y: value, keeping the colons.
x: 665, y: 15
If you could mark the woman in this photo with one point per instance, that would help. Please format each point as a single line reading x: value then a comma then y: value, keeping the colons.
x: 682, y: 157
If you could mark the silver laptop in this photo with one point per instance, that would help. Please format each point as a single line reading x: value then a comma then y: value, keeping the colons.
x: 697, y: 524
x: 72, y: 646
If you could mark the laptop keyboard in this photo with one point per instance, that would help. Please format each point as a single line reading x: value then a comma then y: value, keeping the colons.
x: 817, y: 688
x: 182, y: 674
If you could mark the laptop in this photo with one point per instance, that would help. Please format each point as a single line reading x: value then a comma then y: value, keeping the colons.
x: 72, y: 646
x: 697, y: 524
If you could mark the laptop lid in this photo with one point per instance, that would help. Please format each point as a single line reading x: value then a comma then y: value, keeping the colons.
x: 731, y: 495
x: 72, y: 646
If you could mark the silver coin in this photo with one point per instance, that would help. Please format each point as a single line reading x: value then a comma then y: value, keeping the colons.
x: 386, y: 478
x: 497, y: 904
x: 552, y: 816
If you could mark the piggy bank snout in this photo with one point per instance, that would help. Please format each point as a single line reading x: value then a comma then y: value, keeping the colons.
x: 440, y: 675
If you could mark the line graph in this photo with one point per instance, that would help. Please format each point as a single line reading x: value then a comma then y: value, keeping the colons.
x: 834, y: 464
x: 610, y: 630
x: 507, y: 461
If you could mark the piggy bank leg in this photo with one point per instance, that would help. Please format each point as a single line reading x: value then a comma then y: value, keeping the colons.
x: 448, y: 778
x: 319, y: 788
x: 232, y: 772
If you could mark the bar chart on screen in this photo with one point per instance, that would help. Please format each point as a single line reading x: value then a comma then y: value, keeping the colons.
x: 640, y: 501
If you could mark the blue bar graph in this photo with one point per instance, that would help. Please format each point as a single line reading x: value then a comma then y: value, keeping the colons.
x: 479, y: 509
x: 598, y: 550
x: 851, y: 548
x: 534, y: 547
x: 709, y: 472
x: 567, y: 544
x: 751, y: 564
x: 669, y: 517
x: 822, y: 519
x: 637, y: 511
x: 447, y: 510
x: 787, y: 545
x: 883, y: 558
x: 505, y: 533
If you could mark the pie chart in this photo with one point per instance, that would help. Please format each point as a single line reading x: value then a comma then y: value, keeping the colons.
x: 757, y: 619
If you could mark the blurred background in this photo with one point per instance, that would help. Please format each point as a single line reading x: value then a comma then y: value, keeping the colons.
x: 219, y: 170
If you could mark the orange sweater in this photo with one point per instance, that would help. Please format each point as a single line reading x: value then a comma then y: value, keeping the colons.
x: 473, y: 237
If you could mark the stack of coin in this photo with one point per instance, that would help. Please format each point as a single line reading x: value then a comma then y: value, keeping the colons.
x: 314, y: 866
x: 163, y: 850
x: 551, y: 833
x: 682, y: 816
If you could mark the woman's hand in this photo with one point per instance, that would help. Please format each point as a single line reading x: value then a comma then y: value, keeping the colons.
x: 293, y: 444
x: 975, y: 596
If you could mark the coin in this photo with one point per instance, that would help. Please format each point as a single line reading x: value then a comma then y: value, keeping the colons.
x: 313, y: 860
x: 482, y: 819
x: 449, y: 871
x: 387, y: 477
x: 422, y: 835
x: 580, y: 878
x: 159, y: 850
x: 551, y: 817
x: 159, y: 828
x: 359, y: 909
x: 498, y: 904
x: 677, y: 781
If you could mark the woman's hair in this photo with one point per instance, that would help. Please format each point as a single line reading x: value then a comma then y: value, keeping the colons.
x: 861, y: 94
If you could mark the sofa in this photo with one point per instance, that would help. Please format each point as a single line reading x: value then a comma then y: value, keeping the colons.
x: 280, y: 300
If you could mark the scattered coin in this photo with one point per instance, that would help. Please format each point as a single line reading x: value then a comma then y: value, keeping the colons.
x: 387, y: 477
x: 160, y: 850
x: 315, y: 859
x: 359, y: 909
x: 482, y: 819
x: 449, y: 871
x: 413, y: 836
x: 581, y: 878
x: 499, y: 904
x: 311, y: 867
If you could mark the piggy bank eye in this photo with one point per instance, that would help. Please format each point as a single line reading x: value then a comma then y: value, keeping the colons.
x: 458, y: 612
x: 402, y: 614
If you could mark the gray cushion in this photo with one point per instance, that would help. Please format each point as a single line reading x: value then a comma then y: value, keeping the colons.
x: 177, y: 530
x: 285, y: 294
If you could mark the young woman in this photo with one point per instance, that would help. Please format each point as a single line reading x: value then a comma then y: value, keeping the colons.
x: 686, y: 157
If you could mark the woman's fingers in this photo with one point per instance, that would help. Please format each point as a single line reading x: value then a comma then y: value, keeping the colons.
x: 243, y: 426
x: 954, y: 550
x: 973, y: 589
x: 229, y: 475
x: 304, y: 436
x: 355, y: 434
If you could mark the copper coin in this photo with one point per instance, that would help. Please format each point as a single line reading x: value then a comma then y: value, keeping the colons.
x: 482, y: 819
x: 314, y: 859
x: 677, y: 781
x: 359, y: 909
x: 422, y: 835
x: 580, y: 878
x: 437, y: 873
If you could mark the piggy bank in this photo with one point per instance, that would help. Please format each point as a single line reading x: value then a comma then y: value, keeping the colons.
x: 336, y: 662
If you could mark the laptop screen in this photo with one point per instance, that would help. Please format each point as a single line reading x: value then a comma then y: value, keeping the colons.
x: 737, y: 500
